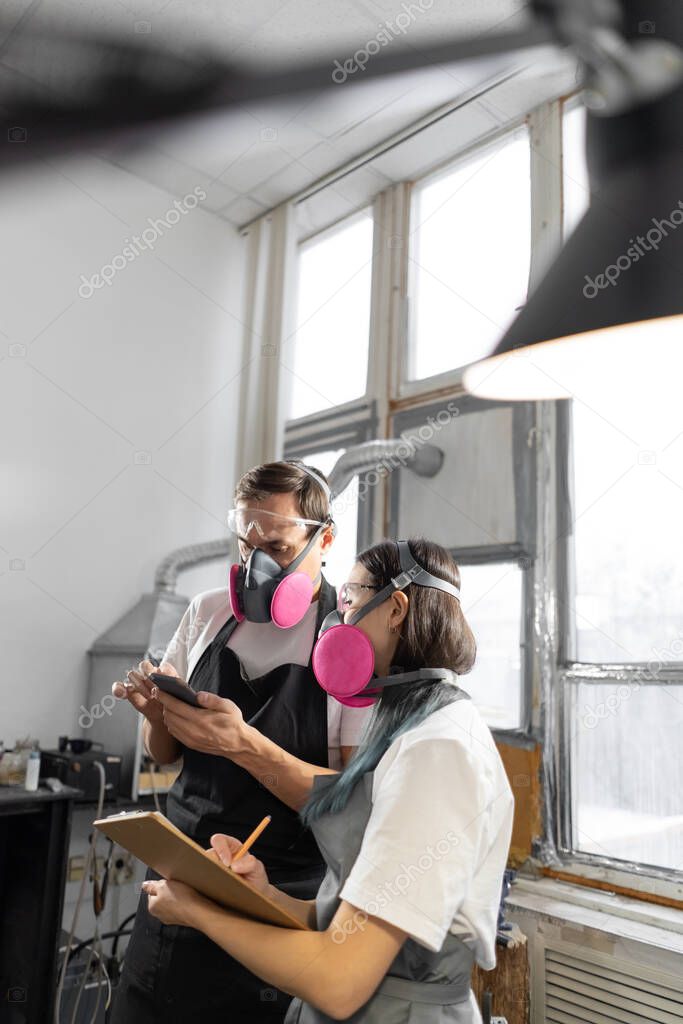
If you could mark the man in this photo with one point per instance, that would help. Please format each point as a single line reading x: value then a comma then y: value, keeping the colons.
x: 264, y: 730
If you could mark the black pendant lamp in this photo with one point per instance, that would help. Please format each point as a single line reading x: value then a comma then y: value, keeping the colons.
x: 610, y: 309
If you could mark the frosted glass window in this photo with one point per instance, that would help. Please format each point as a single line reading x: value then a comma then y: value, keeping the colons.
x: 491, y: 598
x: 628, y: 772
x: 328, y: 355
x: 628, y: 510
x: 469, y: 257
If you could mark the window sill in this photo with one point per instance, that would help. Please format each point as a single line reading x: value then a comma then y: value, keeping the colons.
x: 610, y: 913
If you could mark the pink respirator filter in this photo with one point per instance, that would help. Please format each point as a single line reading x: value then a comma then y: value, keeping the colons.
x: 343, y: 662
x: 232, y: 590
x: 291, y: 600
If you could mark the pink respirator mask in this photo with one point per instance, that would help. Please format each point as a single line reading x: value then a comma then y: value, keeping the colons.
x: 343, y: 658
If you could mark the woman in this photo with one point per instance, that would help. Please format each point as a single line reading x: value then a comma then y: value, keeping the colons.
x: 415, y: 830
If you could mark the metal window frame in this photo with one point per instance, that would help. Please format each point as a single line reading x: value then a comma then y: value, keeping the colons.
x: 571, y: 671
x: 338, y: 428
x: 548, y: 581
x: 522, y: 551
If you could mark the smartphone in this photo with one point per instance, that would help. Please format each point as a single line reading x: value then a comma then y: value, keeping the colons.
x: 175, y: 687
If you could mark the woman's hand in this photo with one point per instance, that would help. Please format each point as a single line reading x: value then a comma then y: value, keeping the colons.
x: 172, y: 902
x: 138, y: 690
x: 223, y: 849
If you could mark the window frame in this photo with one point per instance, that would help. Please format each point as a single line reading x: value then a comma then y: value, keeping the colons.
x: 307, y: 242
x: 570, y: 672
x: 549, y: 670
x: 342, y: 427
x: 408, y: 387
x: 522, y: 552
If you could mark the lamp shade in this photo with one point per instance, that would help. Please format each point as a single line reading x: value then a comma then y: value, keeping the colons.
x: 612, y: 303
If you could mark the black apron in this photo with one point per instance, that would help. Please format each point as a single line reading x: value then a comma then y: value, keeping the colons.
x: 174, y: 974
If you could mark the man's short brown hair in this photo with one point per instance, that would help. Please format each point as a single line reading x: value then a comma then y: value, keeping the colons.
x: 287, y: 477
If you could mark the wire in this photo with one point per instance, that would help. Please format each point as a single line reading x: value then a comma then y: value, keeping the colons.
x: 86, y: 869
x: 118, y: 934
x: 97, y: 906
x: 109, y: 992
x: 100, y: 966
x: 121, y: 933
x: 102, y: 969
x: 81, y: 987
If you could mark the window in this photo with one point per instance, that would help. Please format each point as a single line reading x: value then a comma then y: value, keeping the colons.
x: 628, y: 772
x: 628, y: 510
x: 478, y: 503
x: 469, y: 257
x: 575, y: 187
x: 492, y: 604
x: 623, y: 701
x: 330, y: 345
x: 345, y: 514
x: 620, y: 477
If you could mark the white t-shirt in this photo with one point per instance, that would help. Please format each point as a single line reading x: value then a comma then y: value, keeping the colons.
x: 437, y: 841
x: 261, y: 647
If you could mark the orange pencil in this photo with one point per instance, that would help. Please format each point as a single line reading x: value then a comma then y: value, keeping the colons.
x: 251, y: 839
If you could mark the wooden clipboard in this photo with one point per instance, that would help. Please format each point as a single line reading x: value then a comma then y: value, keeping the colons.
x: 151, y: 837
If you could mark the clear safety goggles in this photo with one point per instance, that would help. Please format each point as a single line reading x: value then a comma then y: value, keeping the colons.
x: 269, y: 526
x: 354, y: 595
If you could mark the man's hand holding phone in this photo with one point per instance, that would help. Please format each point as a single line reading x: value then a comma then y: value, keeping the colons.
x: 137, y: 689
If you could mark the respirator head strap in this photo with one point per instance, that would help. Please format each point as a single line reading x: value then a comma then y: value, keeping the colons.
x: 398, y: 678
x: 412, y: 572
x: 293, y: 565
x: 419, y: 575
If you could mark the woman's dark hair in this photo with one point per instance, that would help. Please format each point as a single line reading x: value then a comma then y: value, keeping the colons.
x: 434, y: 634
x: 287, y: 477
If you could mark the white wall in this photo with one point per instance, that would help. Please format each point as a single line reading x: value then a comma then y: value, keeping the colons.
x: 147, y: 364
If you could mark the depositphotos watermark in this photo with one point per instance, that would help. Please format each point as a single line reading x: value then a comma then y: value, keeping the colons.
x: 388, y: 31
x: 140, y: 243
x: 648, y: 674
x: 637, y: 248
x: 401, y: 457
x: 399, y: 886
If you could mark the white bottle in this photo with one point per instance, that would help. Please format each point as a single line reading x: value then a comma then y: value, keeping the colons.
x: 32, y: 771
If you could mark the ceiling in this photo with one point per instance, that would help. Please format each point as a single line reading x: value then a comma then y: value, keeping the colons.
x: 256, y: 155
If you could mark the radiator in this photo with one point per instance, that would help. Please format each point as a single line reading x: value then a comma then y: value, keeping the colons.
x: 584, y: 986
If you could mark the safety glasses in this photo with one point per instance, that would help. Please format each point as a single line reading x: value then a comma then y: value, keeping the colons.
x: 268, y: 525
x: 352, y: 595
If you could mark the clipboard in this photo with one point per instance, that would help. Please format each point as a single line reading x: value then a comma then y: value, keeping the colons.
x: 154, y: 840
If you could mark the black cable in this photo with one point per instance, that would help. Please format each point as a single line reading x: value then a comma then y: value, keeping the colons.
x: 107, y: 935
x: 120, y: 933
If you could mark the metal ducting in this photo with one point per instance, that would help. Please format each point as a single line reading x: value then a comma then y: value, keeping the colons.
x: 425, y: 460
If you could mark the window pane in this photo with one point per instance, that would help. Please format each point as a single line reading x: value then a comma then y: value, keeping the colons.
x: 628, y: 772
x: 575, y: 189
x: 328, y: 359
x: 492, y: 603
x: 628, y: 482
x: 470, y: 245
x: 345, y: 513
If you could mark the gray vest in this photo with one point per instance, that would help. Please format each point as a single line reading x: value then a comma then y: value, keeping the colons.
x: 421, y: 987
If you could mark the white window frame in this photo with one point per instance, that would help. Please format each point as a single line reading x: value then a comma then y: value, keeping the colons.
x: 350, y: 406
x: 407, y: 387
